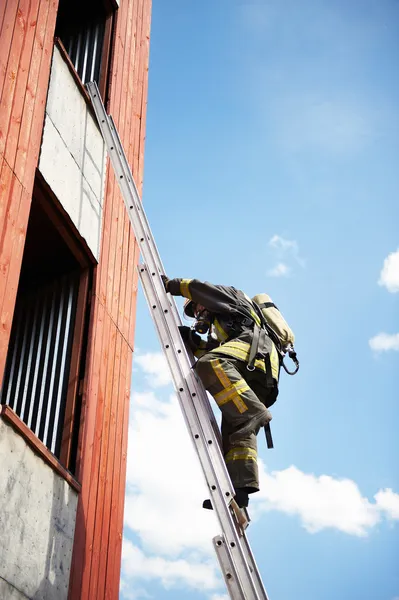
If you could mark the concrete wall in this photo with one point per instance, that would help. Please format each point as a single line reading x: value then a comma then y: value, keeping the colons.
x: 72, y: 158
x: 37, y: 522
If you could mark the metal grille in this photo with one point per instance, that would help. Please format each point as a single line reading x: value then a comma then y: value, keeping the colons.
x: 38, y: 361
x: 84, y: 47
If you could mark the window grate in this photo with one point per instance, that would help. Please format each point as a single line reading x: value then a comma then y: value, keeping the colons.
x: 84, y: 28
x: 38, y: 363
x: 84, y: 47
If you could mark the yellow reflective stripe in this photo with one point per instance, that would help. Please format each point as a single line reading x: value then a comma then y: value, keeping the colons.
x: 227, y: 394
x: 256, y: 318
x: 241, y: 454
x: 239, y: 350
x: 220, y: 374
x: 184, y: 289
x: 239, y: 403
x: 226, y: 383
x: 243, y: 347
x: 222, y: 335
x: 274, y: 362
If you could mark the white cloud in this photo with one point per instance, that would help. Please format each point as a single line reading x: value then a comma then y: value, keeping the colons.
x: 137, y: 565
x: 280, y: 270
x: 219, y: 597
x: 164, y: 478
x: 155, y: 367
x: 321, y: 502
x: 384, y: 342
x: 129, y: 593
x: 281, y: 244
x: 389, y: 276
x: 285, y: 249
x: 388, y: 502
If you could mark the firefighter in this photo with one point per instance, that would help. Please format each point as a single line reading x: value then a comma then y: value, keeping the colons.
x: 242, y: 379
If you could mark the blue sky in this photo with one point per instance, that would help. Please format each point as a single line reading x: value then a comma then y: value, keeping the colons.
x: 272, y: 165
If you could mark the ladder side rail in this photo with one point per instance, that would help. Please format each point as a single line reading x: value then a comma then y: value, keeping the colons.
x: 143, y: 233
x: 227, y: 567
x: 143, y: 239
x: 254, y: 569
x: 130, y: 192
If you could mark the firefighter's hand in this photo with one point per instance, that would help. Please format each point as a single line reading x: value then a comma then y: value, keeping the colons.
x: 165, y: 281
x: 185, y: 333
x: 191, y: 339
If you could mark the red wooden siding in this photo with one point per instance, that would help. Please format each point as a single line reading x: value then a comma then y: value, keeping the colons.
x: 102, y: 468
x: 26, y: 42
x: 26, y: 37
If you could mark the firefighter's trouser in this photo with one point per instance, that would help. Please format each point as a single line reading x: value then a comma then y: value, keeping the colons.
x: 240, y: 395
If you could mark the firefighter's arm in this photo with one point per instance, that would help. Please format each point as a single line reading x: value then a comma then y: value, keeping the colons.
x: 216, y: 298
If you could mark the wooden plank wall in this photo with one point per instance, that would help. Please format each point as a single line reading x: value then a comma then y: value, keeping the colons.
x: 26, y: 41
x: 96, y: 559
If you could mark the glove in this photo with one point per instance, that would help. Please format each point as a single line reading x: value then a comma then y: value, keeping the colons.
x: 185, y: 333
x: 165, y: 281
x: 189, y: 337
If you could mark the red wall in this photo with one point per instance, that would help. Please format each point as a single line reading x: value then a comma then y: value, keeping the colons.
x: 26, y: 42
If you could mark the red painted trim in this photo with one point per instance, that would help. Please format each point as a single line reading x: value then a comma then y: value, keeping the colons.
x: 73, y: 72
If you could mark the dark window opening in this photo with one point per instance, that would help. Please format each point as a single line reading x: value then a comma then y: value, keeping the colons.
x: 44, y: 360
x: 84, y: 28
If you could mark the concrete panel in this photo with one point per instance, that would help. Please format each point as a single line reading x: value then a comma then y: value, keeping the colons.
x: 61, y: 171
x: 37, y: 523
x: 8, y: 592
x: 72, y: 189
x: 66, y: 107
x: 94, y: 159
x: 73, y: 155
x: 90, y: 219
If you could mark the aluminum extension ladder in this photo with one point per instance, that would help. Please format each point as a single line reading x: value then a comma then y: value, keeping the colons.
x: 237, y: 563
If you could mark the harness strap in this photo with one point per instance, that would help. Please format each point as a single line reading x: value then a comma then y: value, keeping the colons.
x: 267, y: 305
x: 259, y: 337
x: 268, y: 434
x: 269, y: 374
x: 253, y: 351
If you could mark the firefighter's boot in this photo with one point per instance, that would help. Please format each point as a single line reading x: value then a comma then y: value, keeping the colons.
x: 241, y: 498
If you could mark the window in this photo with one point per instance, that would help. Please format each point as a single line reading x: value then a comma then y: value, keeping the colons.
x: 84, y: 28
x: 45, y: 360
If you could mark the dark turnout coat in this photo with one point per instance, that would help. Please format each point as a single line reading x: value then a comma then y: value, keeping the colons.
x: 233, y: 322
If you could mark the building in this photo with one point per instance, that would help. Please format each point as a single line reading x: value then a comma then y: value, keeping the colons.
x: 67, y: 291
